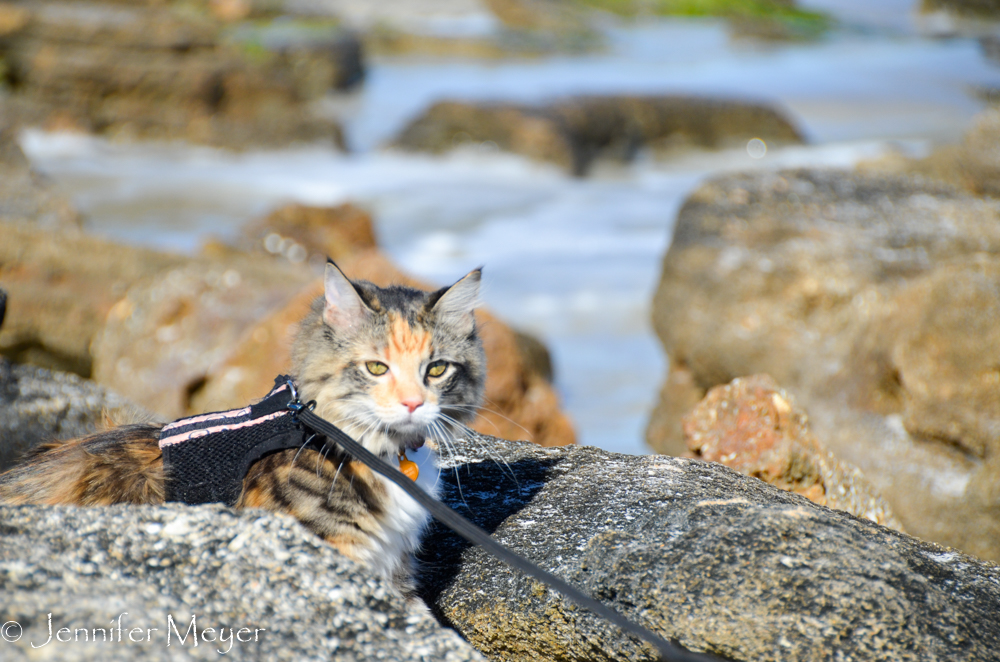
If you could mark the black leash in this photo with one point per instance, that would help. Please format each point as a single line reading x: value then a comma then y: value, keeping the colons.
x: 668, y: 652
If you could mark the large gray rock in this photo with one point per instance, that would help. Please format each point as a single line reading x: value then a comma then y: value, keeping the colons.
x: 297, y: 598
x: 874, y: 299
x: 39, y: 405
x: 719, y: 561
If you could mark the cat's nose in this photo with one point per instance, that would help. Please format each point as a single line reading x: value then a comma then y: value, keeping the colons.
x: 412, y: 403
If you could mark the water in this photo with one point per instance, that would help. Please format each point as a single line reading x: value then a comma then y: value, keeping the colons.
x: 572, y: 261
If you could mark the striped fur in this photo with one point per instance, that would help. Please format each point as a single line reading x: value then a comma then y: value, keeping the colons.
x: 353, y: 326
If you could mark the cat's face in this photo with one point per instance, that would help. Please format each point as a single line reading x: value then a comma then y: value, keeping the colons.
x: 392, y: 366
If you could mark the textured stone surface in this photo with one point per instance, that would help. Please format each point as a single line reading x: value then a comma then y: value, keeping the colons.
x: 226, y: 570
x: 521, y: 401
x: 173, y: 70
x: 39, y: 405
x: 873, y: 298
x: 720, y: 561
x: 753, y: 426
x: 572, y: 133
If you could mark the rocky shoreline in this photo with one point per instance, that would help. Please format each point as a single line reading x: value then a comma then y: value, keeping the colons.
x: 829, y: 422
x: 718, y: 561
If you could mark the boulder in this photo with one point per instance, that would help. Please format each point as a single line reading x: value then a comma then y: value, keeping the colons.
x: 718, y: 561
x: 872, y: 297
x: 254, y: 585
x: 172, y: 70
x: 173, y: 328
x: 520, y: 400
x: 304, y: 233
x: 753, y: 426
x: 39, y: 405
x: 61, y: 286
x: 574, y: 132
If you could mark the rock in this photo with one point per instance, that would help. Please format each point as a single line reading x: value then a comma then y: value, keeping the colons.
x: 39, y: 405
x: 979, y: 161
x: 972, y: 164
x: 60, y: 288
x: 574, y: 132
x: 174, y: 328
x: 970, y: 8
x: 754, y: 427
x: 521, y: 402
x: 209, y: 566
x: 26, y: 196
x: 871, y: 297
x: 167, y: 71
x: 718, y: 561
x: 302, y: 233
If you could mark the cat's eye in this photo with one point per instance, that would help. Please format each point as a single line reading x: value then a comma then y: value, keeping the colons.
x: 376, y: 367
x: 437, y: 368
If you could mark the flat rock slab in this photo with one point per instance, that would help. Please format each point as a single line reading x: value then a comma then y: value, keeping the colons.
x: 256, y: 576
x: 720, y: 562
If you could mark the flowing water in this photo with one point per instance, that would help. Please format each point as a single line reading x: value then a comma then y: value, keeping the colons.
x: 574, y: 261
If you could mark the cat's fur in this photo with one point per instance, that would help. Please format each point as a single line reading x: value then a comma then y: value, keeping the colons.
x: 405, y: 330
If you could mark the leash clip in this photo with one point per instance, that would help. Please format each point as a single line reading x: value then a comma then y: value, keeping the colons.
x: 295, y: 405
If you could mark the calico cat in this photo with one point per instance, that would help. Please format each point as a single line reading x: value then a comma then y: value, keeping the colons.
x: 389, y: 366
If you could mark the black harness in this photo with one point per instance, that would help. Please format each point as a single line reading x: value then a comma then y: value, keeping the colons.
x: 207, y: 457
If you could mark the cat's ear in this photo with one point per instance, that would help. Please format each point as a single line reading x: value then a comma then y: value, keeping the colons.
x: 456, y: 305
x: 343, y: 307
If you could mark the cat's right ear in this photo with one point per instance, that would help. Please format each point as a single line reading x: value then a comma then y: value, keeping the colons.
x: 343, y: 307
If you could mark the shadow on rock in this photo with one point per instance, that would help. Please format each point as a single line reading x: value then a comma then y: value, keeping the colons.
x: 511, y: 486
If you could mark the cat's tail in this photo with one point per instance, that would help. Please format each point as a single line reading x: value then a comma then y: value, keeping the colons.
x: 122, y: 465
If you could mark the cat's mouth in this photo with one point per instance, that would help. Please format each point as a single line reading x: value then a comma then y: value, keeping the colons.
x: 413, y: 444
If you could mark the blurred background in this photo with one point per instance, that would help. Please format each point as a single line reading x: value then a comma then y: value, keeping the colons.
x: 175, y: 171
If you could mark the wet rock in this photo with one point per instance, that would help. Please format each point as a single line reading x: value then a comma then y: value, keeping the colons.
x: 158, y: 70
x: 60, y: 288
x: 721, y: 562
x: 302, y: 233
x: 174, y: 328
x: 521, y: 403
x: 39, y: 405
x: 754, y: 427
x: 574, y: 132
x: 870, y: 296
x: 297, y: 598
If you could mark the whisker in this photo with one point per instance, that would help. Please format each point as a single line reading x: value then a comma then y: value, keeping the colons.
x: 436, y: 425
x: 497, y: 459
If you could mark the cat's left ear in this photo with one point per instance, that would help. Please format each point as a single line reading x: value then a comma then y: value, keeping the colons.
x: 456, y: 305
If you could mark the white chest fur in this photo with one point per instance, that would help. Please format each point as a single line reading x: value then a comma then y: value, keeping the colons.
x: 404, y: 520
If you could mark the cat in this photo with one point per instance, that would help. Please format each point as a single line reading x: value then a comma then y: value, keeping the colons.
x: 390, y: 366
